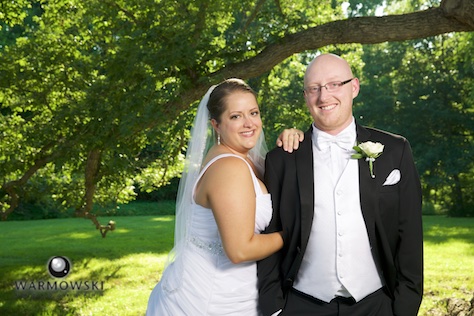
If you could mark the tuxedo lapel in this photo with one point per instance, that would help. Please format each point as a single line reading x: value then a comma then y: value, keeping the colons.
x: 368, y: 188
x: 304, y: 171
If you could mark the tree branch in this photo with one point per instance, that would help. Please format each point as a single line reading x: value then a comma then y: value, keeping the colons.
x: 450, y: 16
x: 11, y: 187
x: 253, y: 14
x: 364, y: 30
x: 124, y: 11
x: 461, y: 10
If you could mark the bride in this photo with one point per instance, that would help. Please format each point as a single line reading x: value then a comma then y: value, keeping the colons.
x: 222, y: 207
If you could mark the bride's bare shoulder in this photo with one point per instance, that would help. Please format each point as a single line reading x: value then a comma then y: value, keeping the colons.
x: 214, y: 152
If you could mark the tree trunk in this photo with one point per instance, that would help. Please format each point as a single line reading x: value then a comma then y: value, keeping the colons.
x: 92, y: 176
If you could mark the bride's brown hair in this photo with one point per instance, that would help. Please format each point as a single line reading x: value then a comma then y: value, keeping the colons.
x: 217, y: 99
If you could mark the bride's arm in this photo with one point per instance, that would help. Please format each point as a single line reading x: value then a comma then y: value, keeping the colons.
x: 229, y: 191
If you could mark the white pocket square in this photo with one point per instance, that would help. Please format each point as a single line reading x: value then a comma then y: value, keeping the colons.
x: 393, y: 177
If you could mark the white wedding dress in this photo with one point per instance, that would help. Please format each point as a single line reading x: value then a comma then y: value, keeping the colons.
x: 203, y: 281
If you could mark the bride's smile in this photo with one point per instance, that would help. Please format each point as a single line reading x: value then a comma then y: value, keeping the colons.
x: 240, y: 124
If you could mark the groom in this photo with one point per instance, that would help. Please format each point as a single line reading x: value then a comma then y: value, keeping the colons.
x: 353, y: 234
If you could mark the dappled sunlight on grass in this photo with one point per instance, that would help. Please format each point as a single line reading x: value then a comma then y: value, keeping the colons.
x: 121, y: 231
x: 449, y: 262
x: 437, y: 234
x: 80, y: 235
x: 163, y: 219
x: 23, y: 273
x: 127, y: 282
x: 130, y: 261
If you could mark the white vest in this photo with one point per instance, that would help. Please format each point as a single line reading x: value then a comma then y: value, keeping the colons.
x: 338, y: 260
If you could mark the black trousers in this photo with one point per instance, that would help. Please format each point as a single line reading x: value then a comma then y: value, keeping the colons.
x: 375, y: 304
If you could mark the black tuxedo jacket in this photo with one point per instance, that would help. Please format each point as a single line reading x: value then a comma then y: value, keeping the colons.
x: 392, y: 214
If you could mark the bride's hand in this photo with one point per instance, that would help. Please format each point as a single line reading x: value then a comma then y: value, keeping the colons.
x: 290, y: 139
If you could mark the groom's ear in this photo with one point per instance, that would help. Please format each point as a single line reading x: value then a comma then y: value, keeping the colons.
x: 355, y: 87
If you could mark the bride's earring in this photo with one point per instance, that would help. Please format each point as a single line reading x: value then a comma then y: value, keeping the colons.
x: 218, y: 139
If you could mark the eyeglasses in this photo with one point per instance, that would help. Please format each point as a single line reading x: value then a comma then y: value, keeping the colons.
x: 330, y: 87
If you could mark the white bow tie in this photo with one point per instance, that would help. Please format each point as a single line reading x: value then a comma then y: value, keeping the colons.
x: 344, y: 140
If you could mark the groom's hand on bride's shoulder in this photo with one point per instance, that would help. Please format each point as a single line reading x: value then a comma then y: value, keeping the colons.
x: 290, y: 139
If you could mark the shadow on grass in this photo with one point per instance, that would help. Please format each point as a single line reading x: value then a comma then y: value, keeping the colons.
x: 442, y: 229
x: 27, y: 246
x: 138, y: 243
x: 36, y: 294
x: 32, y: 303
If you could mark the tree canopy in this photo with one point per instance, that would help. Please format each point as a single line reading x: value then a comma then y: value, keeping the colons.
x: 97, y: 95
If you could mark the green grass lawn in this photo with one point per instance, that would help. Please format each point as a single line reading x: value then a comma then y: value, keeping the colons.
x: 129, y: 261
x: 449, y: 260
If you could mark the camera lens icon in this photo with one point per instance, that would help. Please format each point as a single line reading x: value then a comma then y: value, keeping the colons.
x: 59, y: 267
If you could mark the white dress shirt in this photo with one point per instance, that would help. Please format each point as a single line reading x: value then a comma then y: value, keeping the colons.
x: 338, y: 259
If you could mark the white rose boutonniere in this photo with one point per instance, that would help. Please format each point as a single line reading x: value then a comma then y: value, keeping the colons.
x: 369, y: 151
